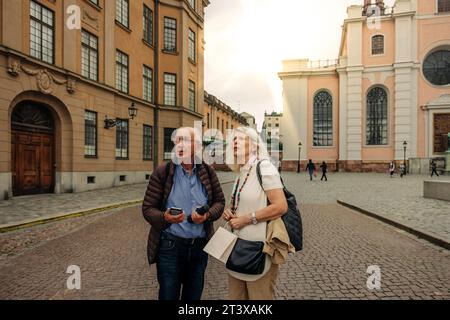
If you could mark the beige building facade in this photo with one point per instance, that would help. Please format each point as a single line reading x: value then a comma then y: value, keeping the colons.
x: 272, y: 124
x: 221, y: 117
x: 386, y: 97
x: 250, y: 120
x: 91, y: 90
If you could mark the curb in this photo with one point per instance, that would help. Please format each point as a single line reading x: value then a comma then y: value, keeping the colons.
x: 57, y: 217
x: 420, y: 234
x: 64, y: 216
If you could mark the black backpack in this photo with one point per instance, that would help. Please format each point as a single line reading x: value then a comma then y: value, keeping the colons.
x: 292, y: 219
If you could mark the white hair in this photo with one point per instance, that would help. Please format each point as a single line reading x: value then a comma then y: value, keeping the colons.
x: 258, y: 147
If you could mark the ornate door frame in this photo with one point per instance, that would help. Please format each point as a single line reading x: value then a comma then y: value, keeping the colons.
x: 32, y: 128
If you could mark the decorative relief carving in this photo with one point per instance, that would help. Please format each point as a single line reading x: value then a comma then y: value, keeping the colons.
x: 90, y: 19
x: 13, y: 67
x: 44, y: 81
x: 44, y: 78
x: 71, y: 85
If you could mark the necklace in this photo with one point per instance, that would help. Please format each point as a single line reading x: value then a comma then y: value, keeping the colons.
x: 236, y: 197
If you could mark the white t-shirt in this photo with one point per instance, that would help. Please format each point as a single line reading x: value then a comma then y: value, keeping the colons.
x: 252, y: 199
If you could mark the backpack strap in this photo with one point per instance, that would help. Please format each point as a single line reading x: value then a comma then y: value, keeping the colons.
x: 259, y: 175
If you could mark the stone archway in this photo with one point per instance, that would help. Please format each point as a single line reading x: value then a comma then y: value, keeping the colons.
x: 32, y: 149
x: 41, y: 140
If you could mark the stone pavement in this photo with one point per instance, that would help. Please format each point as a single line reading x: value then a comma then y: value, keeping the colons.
x: 30, y: 208
x: 339, y: 246
x: 400, y: 200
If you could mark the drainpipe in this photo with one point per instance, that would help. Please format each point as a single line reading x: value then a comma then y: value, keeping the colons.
x: 156, y: 87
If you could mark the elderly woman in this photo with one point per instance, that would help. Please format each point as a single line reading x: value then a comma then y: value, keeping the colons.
x: 250, y: 212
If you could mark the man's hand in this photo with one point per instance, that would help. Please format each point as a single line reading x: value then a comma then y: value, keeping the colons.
x: 173, y: 219
x: 199, y: 219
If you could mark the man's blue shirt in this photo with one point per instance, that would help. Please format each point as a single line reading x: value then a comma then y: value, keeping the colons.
x: 187, y: 193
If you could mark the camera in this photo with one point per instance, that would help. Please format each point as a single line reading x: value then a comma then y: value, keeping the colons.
x: 201, y: 211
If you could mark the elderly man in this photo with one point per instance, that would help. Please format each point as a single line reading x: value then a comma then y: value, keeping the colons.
x: 177, y: 239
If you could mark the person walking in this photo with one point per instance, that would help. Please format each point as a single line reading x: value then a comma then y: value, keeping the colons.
x: 434, y: 168
x: 311, y: 168
x: 179, y: 231
x: 402, y: 170
x: 324, y: 167
x: 253, y: 206
x: 392, y: 169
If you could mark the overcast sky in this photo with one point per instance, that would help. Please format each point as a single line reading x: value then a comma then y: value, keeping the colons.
x: 246, y: 40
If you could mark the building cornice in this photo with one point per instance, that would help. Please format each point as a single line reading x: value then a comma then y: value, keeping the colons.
x: 432, y: 16
x: 404, y: 14
x: 306, y: 73
x: 443, y: 101
x: 214, y: 102
x: 385, y: 17
x: 181, y: 109
x: 185, y: 6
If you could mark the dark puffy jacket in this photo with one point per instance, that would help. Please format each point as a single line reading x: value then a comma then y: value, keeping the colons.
x: 156, y: 197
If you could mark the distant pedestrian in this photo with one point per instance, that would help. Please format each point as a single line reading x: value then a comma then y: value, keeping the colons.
x: 392, y: 169
x: 402, y: 170
x: 324, y: 167
x: 311, y: 168
x: 433, y: 168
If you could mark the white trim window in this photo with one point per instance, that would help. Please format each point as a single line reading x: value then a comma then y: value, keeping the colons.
x: 377, y: 117
x: 443, y: 6
x: 378, y: 44
x: 322, y: 119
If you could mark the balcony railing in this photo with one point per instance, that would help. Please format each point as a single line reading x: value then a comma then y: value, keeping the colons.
x: 323, y: 63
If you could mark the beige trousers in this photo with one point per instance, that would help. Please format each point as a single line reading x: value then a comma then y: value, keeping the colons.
x: 261, y: 289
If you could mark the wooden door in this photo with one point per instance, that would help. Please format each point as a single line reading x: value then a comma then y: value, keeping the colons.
x: 32, y: 156
x: 32, y: 146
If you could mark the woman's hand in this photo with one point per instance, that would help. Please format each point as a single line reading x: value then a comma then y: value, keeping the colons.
x: 227, y: 215
x: 237, y: 223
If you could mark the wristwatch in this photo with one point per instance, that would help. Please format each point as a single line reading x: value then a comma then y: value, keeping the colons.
x: 254, y: 221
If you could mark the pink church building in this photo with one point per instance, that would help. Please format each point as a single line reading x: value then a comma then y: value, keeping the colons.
x: 386, y: 97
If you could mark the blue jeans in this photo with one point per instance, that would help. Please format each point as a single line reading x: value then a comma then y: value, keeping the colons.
x: 180, y: 264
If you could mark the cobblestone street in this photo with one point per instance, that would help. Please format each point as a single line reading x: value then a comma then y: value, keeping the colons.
x: 340, y: 244
x: 397, y: 199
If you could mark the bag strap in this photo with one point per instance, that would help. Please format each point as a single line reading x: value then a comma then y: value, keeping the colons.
x: 259, y: 175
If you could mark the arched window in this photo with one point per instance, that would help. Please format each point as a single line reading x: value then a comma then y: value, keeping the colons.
x: 443, y: 5
x: 378, y: 44
x: 30, y: 116
x: 377, y: 117
x: 323, y: 120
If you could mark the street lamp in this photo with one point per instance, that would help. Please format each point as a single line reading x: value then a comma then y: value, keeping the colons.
x: 405, y: 144
x: 299, y: 153
x: 132, y: 113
